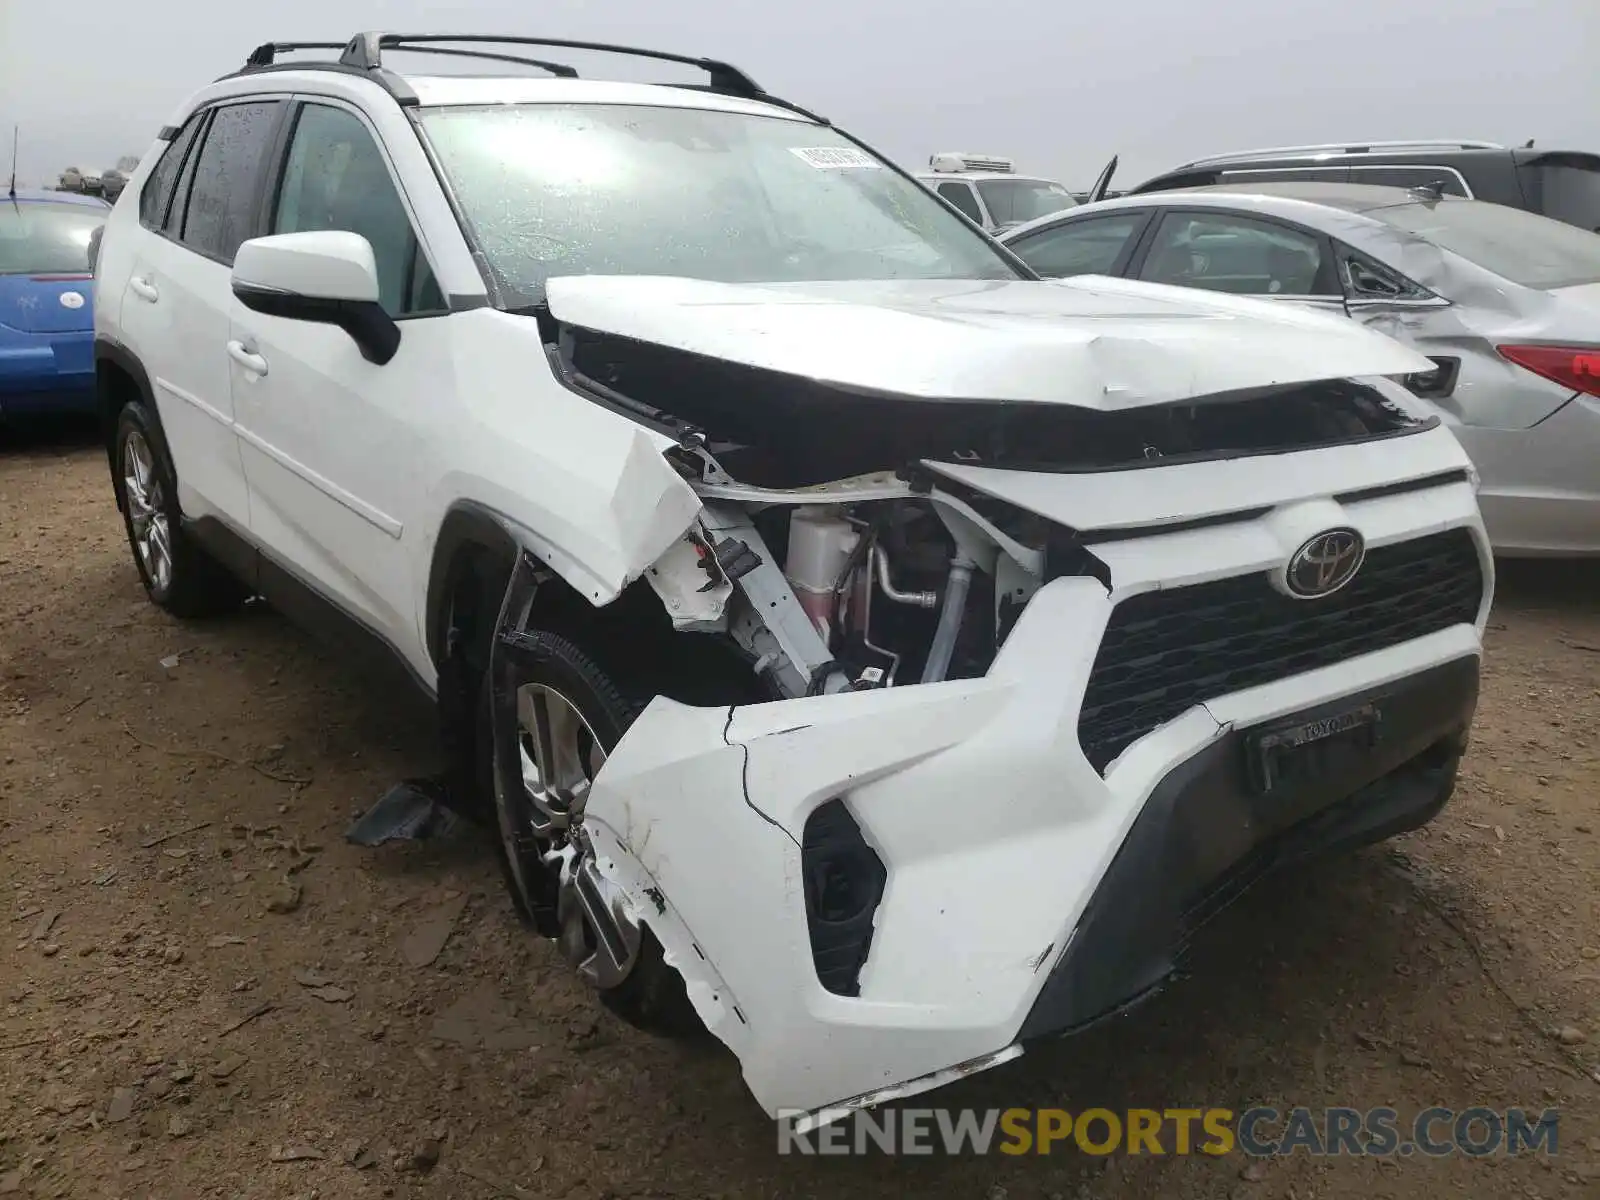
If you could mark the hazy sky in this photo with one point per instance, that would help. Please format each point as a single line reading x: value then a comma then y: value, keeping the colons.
x: 1058, y: 86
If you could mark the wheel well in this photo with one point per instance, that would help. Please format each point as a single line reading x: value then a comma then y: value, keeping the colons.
x: 631, y: 638
x: 115, y: 388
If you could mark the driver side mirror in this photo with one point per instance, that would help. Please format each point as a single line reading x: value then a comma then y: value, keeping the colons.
x: 326, y: 276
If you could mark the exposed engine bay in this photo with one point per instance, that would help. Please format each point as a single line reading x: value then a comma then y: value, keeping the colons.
x: 856, y: 585
x: 833, y: 573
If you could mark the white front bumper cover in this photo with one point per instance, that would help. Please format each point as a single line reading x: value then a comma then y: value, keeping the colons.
x: 996, y: 832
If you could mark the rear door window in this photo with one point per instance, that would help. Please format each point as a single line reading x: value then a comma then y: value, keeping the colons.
x: 1228, y: 252
x: 1565, y: 187
x: 1091, y: 246
x: 223, y: 197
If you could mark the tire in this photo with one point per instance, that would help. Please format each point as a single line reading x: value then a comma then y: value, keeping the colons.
x: 183, y: 579
x: 652, y: 995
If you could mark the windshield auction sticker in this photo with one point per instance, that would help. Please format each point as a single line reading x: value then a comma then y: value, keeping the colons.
x: 836, y: 158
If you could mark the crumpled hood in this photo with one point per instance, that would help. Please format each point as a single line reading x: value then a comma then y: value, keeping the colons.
x: 1089, y: 341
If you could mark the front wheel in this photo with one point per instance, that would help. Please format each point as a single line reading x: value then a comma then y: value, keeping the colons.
x: 553, y: 717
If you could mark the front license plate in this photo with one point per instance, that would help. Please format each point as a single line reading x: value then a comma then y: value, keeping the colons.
x: 1283, y: 755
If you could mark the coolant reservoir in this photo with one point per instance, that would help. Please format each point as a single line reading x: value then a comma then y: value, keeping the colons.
x: 820, y: 543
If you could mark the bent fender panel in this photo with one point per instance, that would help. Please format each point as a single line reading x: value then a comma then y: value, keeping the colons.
x: 598, y: 532
x: 583, y: 489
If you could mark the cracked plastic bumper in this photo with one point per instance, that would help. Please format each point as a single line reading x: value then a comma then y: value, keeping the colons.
x: 1007, y: 855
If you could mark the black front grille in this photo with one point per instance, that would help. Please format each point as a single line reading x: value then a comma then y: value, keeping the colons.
x: 1166, y: 651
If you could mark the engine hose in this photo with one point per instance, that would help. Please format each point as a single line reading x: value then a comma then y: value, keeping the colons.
x: 825, y: 674
x: 949, y: 627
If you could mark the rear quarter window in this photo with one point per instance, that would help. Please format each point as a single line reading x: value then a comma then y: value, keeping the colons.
x: 155, y: 201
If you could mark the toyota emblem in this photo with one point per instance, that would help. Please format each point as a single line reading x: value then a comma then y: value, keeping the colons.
x: 1325, y: 563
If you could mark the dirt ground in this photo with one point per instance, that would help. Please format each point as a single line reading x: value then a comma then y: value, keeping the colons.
x: 206, y: 991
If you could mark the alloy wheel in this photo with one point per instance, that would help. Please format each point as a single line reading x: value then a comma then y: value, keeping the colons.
x: 147, y: 514
x: 542, y: 824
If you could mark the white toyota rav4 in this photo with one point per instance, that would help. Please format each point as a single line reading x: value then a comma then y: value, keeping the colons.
x: 867, y: 648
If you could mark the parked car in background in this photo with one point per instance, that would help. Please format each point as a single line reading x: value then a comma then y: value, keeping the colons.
x: 1561, y: 184
x: 46, y: 301
x: 1505, y: 302
x: 988, y: 189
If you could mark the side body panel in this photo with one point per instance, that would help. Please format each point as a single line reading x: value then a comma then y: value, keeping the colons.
x: 175, y: 321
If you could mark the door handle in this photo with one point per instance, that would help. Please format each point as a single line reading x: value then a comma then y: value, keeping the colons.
x: 144, y: 289
x: 247, y: 359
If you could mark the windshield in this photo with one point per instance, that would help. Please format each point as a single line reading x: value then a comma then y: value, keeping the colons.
x: 46, y: 239
x: 1012, y: 201
x: 602, y: 189
x: 1516, y: 245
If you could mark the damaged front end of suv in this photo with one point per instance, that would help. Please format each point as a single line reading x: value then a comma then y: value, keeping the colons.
x: 1051, y: 617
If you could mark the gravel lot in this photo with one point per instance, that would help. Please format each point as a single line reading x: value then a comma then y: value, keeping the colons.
x: 206, y: 992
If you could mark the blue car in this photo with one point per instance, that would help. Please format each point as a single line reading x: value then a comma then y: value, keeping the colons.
x: 47, y: 302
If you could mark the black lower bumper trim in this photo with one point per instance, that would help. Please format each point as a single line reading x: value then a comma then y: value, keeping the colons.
x: 1206, y: 834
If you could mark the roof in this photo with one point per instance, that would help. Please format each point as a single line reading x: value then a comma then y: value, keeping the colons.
x: 1351, y: 197
x: 354, y: 67
x: 981, y: 176
x: 45, y: 196
x: 464, y: 90
x: 1343, y: 205
x: 1435, y: 148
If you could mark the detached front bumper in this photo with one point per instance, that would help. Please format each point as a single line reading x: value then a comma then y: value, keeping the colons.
x: 1020, y: 891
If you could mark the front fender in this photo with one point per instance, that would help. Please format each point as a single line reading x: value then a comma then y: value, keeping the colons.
x: 584, y: 489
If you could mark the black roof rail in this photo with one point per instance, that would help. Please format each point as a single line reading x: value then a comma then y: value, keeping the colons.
x: 365, y: 52
x: 559, y: 70
x: 266, y: 56
x: 362, y: 55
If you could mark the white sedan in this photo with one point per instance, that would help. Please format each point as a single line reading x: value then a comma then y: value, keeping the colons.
x: 1505, y: 302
